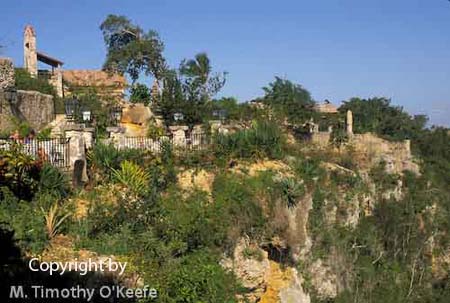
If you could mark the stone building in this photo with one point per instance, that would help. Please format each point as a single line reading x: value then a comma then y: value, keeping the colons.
x: 32, y: 56
x: 68, y: 81
x: 325, y: 107
x: 106, y: 85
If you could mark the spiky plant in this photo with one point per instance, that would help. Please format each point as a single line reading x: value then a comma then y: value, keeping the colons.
x: 292, y: 191
x: 54, y: 217
x: 132, y: 176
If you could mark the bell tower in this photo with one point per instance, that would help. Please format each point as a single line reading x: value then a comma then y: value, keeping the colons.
x: 29, y: 51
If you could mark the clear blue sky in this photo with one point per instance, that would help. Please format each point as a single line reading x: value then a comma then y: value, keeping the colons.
x: 337, y: 49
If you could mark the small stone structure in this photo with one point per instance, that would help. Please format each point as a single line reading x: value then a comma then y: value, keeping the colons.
x: 326, y: 107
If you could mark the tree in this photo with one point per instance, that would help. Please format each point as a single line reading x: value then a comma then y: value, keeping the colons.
x: 172, y: 97
x: 200, y: 84
x: 140, y: 94
x: 130, y: 50
x: 289, y: 99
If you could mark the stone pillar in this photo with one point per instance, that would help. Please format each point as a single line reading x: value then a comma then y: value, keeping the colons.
x: 179, y: 134
x: 88, y: 137
x: 407, y: 144
x: 349, y: 122
x: 77, y: 154
x: 29, y: 51
x: 116, y: 135
x: 59, y: 81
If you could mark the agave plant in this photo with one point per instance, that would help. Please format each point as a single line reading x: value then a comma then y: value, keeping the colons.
x: 53, y: 181
x: 54, y: 217
x: 292, y: 191
x: 132, y: 176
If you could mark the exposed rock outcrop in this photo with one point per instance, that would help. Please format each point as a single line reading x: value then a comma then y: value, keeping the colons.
x: 6, y: 73
x: 251, y: 270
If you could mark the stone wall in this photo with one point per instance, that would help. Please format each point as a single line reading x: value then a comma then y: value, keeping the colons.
x: 31, y: 106
x: 371, y: 150
x: 6, y: 73
x: 321, y: 139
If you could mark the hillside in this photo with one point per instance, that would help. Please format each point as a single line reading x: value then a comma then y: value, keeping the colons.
x: 254, y: 217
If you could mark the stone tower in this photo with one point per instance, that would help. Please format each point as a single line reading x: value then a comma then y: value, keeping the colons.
x: 29, y: 51
x: 349, y: 122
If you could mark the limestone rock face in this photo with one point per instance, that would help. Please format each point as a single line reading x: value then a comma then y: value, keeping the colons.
x: 6, y: 73
x: 297, y: 232
x: 266, y: 281
x: 294, y: 293
x: 31, y: 106
x: 251, y: 271
x: 136, y: 114
x: 191, y: 179
x: 135, y: 119
x: 323, y: 280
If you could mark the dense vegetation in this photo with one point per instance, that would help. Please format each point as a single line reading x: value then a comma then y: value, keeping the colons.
x: 24, y: 81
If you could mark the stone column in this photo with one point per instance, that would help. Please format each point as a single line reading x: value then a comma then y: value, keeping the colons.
x: 116, y: 135
x: 59, y: 81
x: 77, y: 155
x: 349, y: 122
x: 179, y: 134
x: 29, y: 51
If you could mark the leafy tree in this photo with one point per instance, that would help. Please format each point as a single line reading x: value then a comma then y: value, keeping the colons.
x: 199, y: 82
x: 434, y: 147
x: 140, y: 94
x: 232, y: 109
x: 289, y: 99
x: 172, y: 99
x: 131, y: 50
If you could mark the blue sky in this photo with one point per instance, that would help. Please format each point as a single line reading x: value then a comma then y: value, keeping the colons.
x: 337, y: 49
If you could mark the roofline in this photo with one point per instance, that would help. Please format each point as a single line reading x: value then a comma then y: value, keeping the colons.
x: 47, y: 59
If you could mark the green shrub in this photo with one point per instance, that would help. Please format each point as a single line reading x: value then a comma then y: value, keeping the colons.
x: 19, y: 172
x: 198, y: 278
x: 102, y: 158
x: 140, y: 94
x: 309, y: 170
x: 44, y: 134
x: 264, y: 139
x: 236, y: 207
x: 132, y: 176
x: 25, y: 219
x: 24, y: 81
x: 190, y: 222
x: 154, y: 132
x: 253, y: 253
x: 53, y: 181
